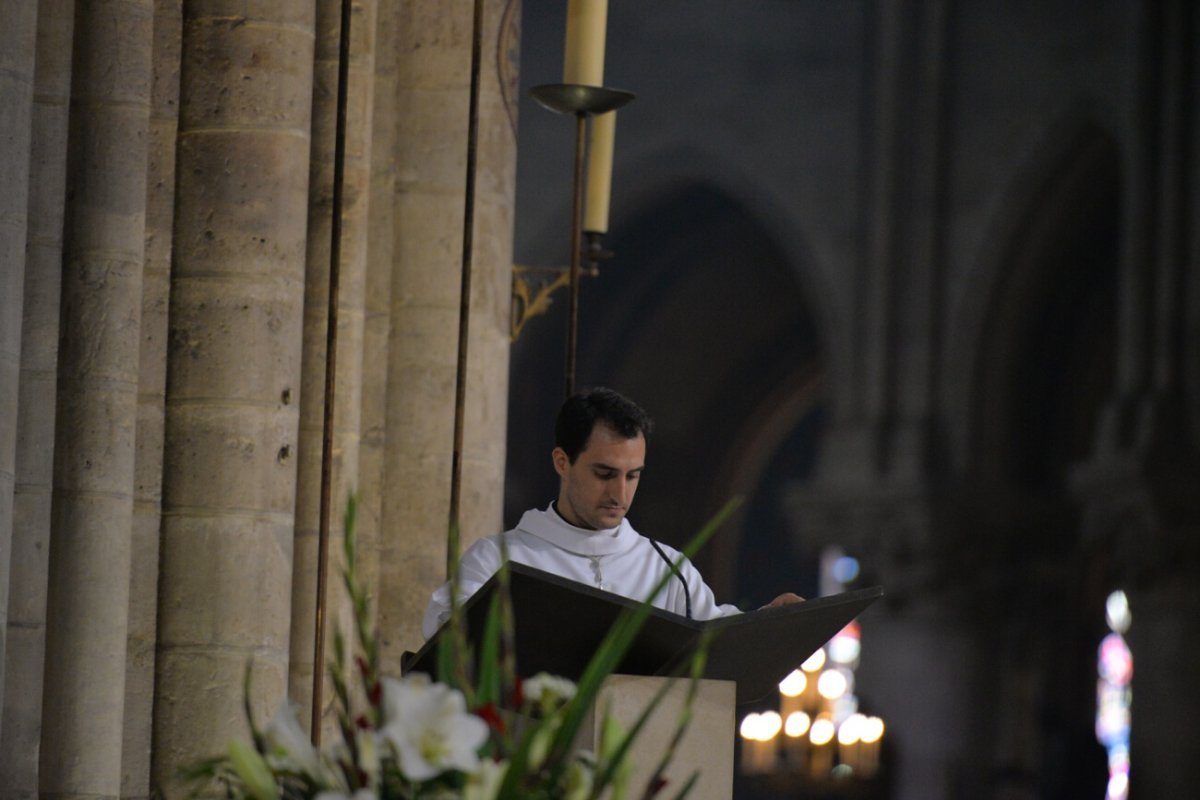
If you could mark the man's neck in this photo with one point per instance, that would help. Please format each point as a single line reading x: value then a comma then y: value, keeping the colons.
x: 558, y: 509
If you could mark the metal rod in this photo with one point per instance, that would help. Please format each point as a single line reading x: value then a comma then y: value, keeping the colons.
x: 331, y: 326
x: 576, y: 251
x: 464, y: 302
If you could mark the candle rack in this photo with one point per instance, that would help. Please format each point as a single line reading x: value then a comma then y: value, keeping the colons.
x: 531, y: 297
x: 532, y: 286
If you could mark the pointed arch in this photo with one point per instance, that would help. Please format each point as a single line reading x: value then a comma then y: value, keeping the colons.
x: 705, y: 317
x: 1054, y: 234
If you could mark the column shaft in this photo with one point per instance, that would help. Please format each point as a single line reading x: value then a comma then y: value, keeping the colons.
x: 88, y: 601
x: 233, y: 373
x: 152, y: 376
x: 432, y: 46
x: 20, y: 726
x: 349, y: 362
x: 17, y: 39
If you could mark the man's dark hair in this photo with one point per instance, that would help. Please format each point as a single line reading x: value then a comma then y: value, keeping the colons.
x: 580, y: 413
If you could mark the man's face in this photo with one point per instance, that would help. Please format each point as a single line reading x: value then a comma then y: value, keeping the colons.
x: 596, y: 491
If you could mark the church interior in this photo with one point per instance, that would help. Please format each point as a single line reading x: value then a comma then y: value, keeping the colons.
x: 919, y: 282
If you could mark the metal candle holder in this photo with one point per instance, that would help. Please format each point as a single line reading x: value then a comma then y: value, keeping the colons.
x: 582, y: 101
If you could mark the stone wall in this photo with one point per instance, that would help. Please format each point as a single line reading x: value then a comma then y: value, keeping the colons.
x: 167, y: 179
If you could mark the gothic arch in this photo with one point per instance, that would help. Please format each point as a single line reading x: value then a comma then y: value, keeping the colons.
x: 700, y: 317
x: 1037, y: 363
x: 644, y: 179
x: 1059, y: 208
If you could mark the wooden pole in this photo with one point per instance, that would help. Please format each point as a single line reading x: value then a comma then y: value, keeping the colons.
x: 331, y: 322
x: 464, y: 308
x: 576, y: 252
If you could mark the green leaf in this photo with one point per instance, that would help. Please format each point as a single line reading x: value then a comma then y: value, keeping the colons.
x: 489, y: 658
x: 253, y: 771
x: 687, y: 786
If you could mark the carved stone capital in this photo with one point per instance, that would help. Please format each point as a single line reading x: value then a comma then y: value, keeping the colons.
x: 892, y: 531
x: 963, y: 546
x: 1145, y: 509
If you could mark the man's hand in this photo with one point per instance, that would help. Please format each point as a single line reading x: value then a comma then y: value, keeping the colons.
x: 785, y: 599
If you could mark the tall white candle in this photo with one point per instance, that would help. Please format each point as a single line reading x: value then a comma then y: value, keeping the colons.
x: 583, y: 59
x: 599, y: 172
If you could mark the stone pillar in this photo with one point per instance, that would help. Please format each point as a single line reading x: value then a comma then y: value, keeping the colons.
x: 1138, y: 491
x: 376, y: 300
x: 152, y: 377
x: 17, y: 39
x: 433, y: 45
x: 485, y: 433
x: 1145, y: 517
x: 1165, y: 640
x: 233, y: 374
x: 922, y: 673
x: 922, y: 662
x: 349, y: 363
x: 88, y: 602
x: 20, y: 725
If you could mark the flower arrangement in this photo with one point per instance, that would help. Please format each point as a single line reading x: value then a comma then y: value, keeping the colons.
x: 492, y: 736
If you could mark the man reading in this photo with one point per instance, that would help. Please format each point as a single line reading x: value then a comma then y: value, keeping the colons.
x: 599, y: 455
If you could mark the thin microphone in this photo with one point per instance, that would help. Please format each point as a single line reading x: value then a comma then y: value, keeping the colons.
x: 687, y: 595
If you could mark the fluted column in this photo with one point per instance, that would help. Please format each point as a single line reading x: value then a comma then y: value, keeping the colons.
x: 233, y: 376
x: 1146, y: 518
x: 17, y: 38
x: 376, y: 300
x: 88, y: 603
x: 349, y: 362
x: 20, y: 726
x: 1138, y: 489
x: 152, y: 377
x: 433, y: 51
x: 925, y: 642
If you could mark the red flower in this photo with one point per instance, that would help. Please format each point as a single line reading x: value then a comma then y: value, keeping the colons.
x: 488, y: 713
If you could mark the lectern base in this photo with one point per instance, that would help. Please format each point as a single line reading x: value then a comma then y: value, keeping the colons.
x: 706, y: 747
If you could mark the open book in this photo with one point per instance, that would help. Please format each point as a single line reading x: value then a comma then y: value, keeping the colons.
x: 558, y: 624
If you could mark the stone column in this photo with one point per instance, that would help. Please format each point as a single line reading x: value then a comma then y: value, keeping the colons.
x: 923, y: 644
x: 376, y: 300
x: 233, y: 373
x: 17, y: 39
x: 1145, y: 516
x: 433, y: 51
x: 152, y: 378
x: 20, y: 725
x: 1138, y: 491
x: 1165, y: 640
x: 88, y: 602
x: 349, y: 363
x: 485, y: 434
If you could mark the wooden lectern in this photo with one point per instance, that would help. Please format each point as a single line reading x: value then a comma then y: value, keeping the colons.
x: 558, y: 624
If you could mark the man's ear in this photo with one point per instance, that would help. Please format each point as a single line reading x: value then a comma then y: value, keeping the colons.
x: 561, y: 462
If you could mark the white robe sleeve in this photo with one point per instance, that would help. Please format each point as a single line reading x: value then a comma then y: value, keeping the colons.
x: 704, y: 602
x: 479, y: 562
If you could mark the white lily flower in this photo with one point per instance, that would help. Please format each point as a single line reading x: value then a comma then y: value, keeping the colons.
x: 368, y: 754
x: 580, y: 779
x: 547, y: 690
x: 539, y: 743
x: 484, y: 784
x: 285, y: 736
x: 430, y: 728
